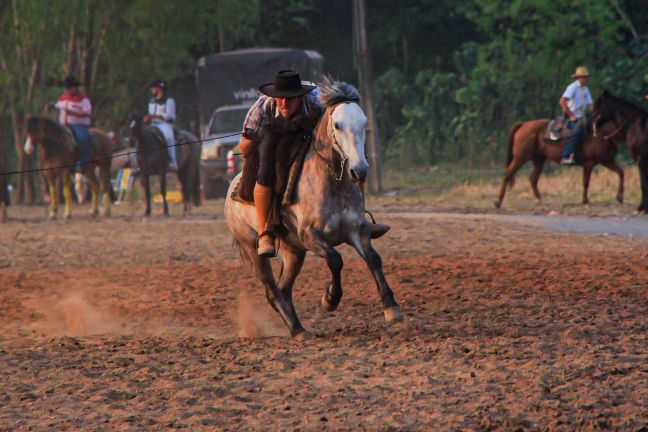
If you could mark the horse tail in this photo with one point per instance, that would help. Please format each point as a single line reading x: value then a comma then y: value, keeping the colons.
x: 236, y: 245
x: 509, y: 151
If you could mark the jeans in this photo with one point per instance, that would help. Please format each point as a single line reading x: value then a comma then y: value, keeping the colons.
x: 80, y: 133
x: 572, y: 141
x: 267, y: 157
x: 167, y: 131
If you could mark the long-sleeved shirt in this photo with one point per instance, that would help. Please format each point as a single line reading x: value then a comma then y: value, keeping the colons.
x: 78, y: 102
x: 164, y: 107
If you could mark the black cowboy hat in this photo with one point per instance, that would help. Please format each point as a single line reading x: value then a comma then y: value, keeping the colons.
x: 70, y: 81
x: 286, y: 84
x: 160, y: 83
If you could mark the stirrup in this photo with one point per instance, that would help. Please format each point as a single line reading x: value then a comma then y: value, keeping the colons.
x: 276, y: 249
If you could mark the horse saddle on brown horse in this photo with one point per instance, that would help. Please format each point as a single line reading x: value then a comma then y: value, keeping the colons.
x: 559, y: 129
x: 93, y: 141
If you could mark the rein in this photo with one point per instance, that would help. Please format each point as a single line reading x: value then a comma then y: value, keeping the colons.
x: 340, y: 150
x: 619, y: 129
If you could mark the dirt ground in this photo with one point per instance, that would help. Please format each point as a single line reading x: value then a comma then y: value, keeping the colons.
x: 125, y: 324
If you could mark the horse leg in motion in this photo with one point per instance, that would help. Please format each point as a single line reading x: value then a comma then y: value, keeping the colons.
x: 146, y: 185
x: 292, y: 261
x: 587, y: 174
x: 509, y: 176
x: 67, y: 193
x: 184, y: 175
x: 538, y: 165
x: 614, y: 166
x: 94, y: 187
x: 284, y: 307
x: 53, y: 194
x: 104, y: 175
x: 643, y: 177
x: 163, y: 190
x: 333, y: 292
x: 362, y: 245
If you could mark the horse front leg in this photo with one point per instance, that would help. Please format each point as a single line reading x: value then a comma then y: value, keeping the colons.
x: 67, y: 194
x: 614, y: 166
x: 104, y: 174
x: 51, y: 187
x: 163, y: 192
x: 643, y: 178
x: 333, y: 290
x: 362, y: 244
x: 587, y: 174
x: 146, y: 184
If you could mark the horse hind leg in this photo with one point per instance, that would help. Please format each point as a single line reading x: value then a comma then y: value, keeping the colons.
x: 106, y: 188
x: 274, y: 295
x: 538, y: 165
x: 362, y: 244
x: 94, y: 187
x: 509, y: 178
x: 292, y: 261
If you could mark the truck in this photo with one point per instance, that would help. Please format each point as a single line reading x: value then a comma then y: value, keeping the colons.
x: 227, y: 85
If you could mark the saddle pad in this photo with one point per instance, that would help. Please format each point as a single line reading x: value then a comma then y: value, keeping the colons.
x: 293, y: 176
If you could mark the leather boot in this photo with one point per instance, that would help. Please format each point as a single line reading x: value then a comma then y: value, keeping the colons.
x: 263, y: 201
x: 376, y: 230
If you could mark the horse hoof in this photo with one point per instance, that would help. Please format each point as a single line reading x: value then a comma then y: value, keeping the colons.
x: 327, y: 306
x: 94, y: 213
x: 393, y: 314
x: 302, y: 336
x: 497, y: 204
x: 67, y: 216
x: 52, y: 216
x: 620, y: 199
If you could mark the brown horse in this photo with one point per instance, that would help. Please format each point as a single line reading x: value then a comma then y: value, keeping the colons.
x: 57, y: 157
x: 527, y: 143
x: 328, y: 211
x: 630, y: 126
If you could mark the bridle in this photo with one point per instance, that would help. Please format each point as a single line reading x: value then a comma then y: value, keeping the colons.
x: 331, y: 132
x: 619, y: 129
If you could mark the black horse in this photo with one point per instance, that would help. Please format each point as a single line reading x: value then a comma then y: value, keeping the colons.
x: 631, y: 127
x: 153, y: 159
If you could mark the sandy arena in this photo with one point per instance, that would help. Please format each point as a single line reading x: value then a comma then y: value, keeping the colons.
x: 125, y: 324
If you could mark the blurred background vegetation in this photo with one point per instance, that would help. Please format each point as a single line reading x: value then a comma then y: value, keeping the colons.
x: 450, y: 77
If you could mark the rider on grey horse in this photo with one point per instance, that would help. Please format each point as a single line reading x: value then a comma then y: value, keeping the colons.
x: 285, y: 106
x: 161, y: 115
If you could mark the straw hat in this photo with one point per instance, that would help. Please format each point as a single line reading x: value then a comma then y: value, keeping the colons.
x: 581, y: 71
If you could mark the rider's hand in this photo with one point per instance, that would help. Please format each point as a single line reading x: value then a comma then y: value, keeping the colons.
x: 148, y: 118
x: 572, y: 117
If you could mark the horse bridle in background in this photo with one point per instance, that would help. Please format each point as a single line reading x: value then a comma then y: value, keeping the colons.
x: 340, y: 150
x: 607, y: 137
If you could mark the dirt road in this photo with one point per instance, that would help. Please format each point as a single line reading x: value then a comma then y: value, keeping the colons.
x: 128, y: 325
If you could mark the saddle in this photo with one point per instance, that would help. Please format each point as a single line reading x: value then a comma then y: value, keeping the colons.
x: 291, y: 153
x: 559, y: 129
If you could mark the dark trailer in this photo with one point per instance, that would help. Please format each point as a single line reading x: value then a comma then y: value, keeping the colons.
x: 232, y: 78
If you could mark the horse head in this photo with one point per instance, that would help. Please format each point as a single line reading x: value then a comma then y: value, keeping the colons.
x: 36, y: 131
x: 603, y: 110
x: 135, y: 124
x: 346, y: 125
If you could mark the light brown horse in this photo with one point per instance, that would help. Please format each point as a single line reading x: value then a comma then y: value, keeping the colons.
x: 57, y: 157
x: 329, y: 211
x: 527, y: 143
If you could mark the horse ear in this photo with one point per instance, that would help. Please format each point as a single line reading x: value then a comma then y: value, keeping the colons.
x: 605, y: 93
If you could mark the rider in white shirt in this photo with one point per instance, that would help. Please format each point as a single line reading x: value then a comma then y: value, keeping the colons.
x: 162, y: 114
x: 574, y: 101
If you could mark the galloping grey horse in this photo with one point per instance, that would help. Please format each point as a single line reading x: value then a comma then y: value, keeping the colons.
x: 328, y: 211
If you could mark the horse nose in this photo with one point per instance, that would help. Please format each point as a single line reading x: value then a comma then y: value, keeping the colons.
x: 359, y: 173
